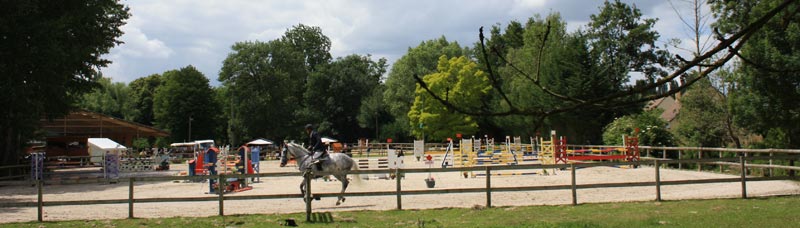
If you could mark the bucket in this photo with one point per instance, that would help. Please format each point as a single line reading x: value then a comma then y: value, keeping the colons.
x: 430, y: 182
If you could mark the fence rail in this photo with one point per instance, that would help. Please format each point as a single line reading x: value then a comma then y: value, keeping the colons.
x: 488, y: 189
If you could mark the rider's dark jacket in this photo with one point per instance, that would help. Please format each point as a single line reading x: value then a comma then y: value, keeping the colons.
x: 315, y: 142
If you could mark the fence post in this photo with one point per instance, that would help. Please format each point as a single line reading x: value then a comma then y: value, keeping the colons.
x: 39, y: 202
x: 130, y: 198
x: 680, y: 165
x: 221, y: 192
x: 699, y: 164
x: 399, y: 190
x: 744, y: 178
x: 770, y: 163
x: 488, y: 186
x: 720, y: 166
x: 791, y: 171
x: 658, y: 180
x: 574, y: 188
x: 307, y: 196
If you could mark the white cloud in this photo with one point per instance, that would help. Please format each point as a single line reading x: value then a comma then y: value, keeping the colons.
x: 138, y: 45
x: 165, y: 35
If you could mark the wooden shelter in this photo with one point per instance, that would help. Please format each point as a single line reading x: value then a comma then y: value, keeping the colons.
x: 67, y: 136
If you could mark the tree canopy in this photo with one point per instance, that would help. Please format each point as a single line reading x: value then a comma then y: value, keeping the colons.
x: 400, y: 88
x: 50, y: 53
x: 184, y: 105
x: 461, y: 82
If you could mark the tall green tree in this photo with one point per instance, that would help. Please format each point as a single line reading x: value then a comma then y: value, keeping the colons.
x: 260, y: 80
x: 266, y: 82
x: 622, y: 41
x: 110, y: 98
x: 460, y: 81
x: 49, y: 54
x: 400, y: 85
x: 373, y: 114
x: 334, y: 94
x: 184, y: 105
x: 765, y: 94
x: 142, y: 92
x: 705, y: 119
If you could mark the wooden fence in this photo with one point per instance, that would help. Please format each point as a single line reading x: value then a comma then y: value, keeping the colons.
x: 739, y: 162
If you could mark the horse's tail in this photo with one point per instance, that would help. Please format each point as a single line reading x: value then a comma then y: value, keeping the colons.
x: 356, y: 177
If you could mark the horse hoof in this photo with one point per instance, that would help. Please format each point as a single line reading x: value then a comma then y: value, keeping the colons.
x: 316, y: 198
x: 338, y: 203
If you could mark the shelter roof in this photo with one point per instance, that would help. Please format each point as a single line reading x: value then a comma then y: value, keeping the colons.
x: 84, y: 123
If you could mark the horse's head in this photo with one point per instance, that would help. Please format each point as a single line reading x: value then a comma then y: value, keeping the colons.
x: 296, y: 150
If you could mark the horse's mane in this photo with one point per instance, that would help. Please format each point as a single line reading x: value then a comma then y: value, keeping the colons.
x: 293, y: 144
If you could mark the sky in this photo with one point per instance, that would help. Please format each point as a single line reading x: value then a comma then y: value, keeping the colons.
x: 166, y: 35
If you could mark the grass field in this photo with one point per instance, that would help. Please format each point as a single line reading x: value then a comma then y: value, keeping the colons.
x: 761, y: 212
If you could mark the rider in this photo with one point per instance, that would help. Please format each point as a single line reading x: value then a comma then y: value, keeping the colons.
x: 315, y: 146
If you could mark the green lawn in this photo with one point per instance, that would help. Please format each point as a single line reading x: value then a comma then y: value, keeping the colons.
x: 762, y: 212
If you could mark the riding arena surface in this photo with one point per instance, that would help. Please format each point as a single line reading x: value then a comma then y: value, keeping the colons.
x: 412, y: 181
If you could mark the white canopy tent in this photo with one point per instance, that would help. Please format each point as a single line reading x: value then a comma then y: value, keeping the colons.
x: 99, y: 146
x: 260, y: 142
x: 328, y: 140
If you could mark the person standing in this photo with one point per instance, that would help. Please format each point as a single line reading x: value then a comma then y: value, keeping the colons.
x: 210, y: 161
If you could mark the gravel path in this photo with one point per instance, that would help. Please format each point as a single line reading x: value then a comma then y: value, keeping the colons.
x: 289, y: 185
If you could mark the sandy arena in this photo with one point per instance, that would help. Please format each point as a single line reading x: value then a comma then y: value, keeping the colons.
x: 290, y: 185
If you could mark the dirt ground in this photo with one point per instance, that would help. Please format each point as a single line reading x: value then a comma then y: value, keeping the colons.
x: 290, y: 185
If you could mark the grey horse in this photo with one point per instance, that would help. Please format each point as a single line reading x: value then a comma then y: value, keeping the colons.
x: 337, y: 164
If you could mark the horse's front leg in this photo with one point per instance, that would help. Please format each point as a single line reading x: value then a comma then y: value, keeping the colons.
x: 345, y: 183
x: 303, y: 190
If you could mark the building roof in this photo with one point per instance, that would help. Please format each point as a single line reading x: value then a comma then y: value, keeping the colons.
x: 670, y: 105
x: 84, y: 123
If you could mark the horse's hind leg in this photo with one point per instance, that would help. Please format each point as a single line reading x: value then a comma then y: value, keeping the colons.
x: 345, y: 183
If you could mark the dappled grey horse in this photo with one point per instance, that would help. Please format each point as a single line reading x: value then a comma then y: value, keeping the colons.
x: 337, y: 164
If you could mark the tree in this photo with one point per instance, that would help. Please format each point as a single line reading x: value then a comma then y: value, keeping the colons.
x: 262, y: 85
x: 702, y: 117
x: 622, y: 42
x: 50, y: 53
x: 400, y: 90
x: 309, y: 41
x: 110, y: 98
x: 373, y: 113
x: 765, y: 94
x: 647, y: 90
x: 266, y: 82
x: 652, y: 129
x: 185, y: 99
x: 335, y: 92
x: 142, y: 93
x: 461, y: 82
